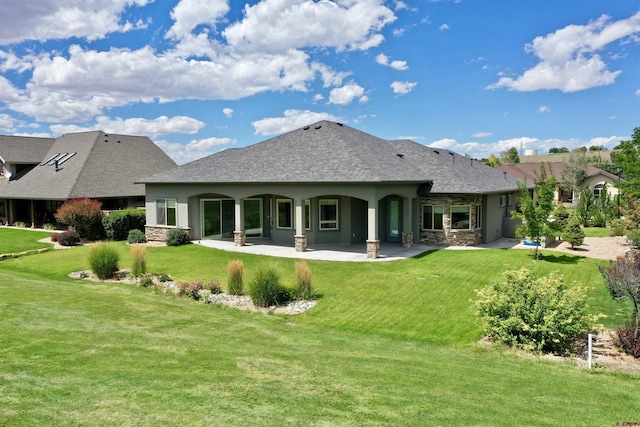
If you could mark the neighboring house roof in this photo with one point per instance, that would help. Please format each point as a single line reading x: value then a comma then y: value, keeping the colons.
x: 528, y: 171
x: 23, y: 149
x: 329, y: 152
x: 96, y: 165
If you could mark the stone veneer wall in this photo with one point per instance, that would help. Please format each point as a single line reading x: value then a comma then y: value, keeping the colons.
x: 448, y: 237
x: 159, y: 233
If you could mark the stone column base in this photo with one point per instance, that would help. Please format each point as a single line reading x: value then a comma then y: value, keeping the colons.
x: 301, y: 243
x: 373, y: 249
x: 407, y: 240
x: 239, y: 238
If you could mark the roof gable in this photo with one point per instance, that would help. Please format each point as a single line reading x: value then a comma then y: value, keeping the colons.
x: 24, y: 150
x: 90, y: 164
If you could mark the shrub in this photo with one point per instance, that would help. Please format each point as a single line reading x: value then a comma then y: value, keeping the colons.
x: 49, y: 227
x: 103, y: 259
x: 634, y: 238
x: 178, y: 237
x: 136, y: 236
x: 303, y: 288
x: 191, y: 290
x: 573, y: 232
x: 539, y: 314
x: 146, y: 282
x: 265, y: 289
x: 19, y: 224
x: 118, y: 224
x: 234, y: 273
x: 629, y: 340
x: 213, y: 287
x: 617, y: 227
x: 67, y: 238
x: 164, y: 278
x: 138, y: 260
x: 83, y: 214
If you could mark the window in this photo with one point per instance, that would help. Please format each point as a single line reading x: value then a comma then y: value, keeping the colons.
x: 597, y: 190
x: 460, y: 217
x: 432, y: 217
x: 509, y: 199
x: 329, y: 214
x: 478, y: 216
x: 285, y: 213
x: 307, y: 214
x: 503, y: 200
x: 166, y: 211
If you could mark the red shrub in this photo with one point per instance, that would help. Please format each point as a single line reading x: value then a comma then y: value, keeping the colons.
x: 81, y: 214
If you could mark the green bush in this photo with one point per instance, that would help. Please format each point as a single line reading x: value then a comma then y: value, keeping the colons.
x: 303, y: 289
x: 265, y: 289
x: 178, y: 237
x: 539, y: 314
x: 136, y: 236
x: 234, y: 274
x: 103, y: 259
x: 617, y: 227
x: 146, y: 282
x: 634, y: 238
x: 118, y: 224
x: 573, y: 232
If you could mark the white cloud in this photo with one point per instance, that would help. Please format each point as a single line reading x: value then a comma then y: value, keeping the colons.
x: 8, y: 123
x: 196, y: 149
x: 403, y: 88
x: 188, y: 14
x: 53, y: 19
x: 137, y: 126
x: 443, y: 27
x: 227, y: 112
x: 638, y: 92
x: 345, y: 94
x: 544, y: 109
x: 383, y: 59
x: 481, y: 134
x: 318, y: 97
x: 568, y: 57
x: 292, y: 119
x: 279, y: 25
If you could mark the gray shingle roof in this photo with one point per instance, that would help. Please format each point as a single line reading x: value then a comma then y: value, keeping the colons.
x: 23, y: 149
x: 104, y: 166
x: 329, y: 152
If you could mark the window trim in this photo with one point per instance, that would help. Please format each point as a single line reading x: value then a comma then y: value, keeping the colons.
x: 451, y: 216
x: 478, y: 220
x: 278, y: 203
x: 307, y: 214
x: 322, y: 222
x: 503, y: 200
x: 165, y: 202
x: 433, y: 222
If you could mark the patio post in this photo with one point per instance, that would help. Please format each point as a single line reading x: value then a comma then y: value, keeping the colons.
x: 373, y: 244
x: 239, y: 235
x: 407, y: 222
x: 300, y: 238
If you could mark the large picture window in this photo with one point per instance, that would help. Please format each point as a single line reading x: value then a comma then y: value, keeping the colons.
x: 285, y: 213
x: 432, y: 217
x: 460, y: 217
x: 329, y: 214
x: 166, y: 214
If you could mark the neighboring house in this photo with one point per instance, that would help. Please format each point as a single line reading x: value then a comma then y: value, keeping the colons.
x: 39, y: 174
x: 330, y: 183
x: 596, y: 179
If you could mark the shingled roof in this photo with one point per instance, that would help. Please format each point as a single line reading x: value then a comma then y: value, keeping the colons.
x: 528, y: 171
x: 97, y: 165
x: 23, y: 149
x: 329, y: 152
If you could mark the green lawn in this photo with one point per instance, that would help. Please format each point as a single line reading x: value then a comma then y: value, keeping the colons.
x: 15, y: 240
x: 596, y: 231
x: 389, y: 343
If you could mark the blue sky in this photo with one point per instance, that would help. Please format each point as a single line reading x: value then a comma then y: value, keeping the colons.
x: 199, y: 76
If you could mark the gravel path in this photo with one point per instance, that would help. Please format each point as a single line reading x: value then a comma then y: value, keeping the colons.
x: 595, y: 247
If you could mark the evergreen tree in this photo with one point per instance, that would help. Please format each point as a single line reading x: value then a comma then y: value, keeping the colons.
x: 573, y: 232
